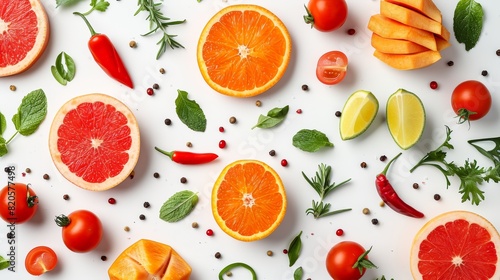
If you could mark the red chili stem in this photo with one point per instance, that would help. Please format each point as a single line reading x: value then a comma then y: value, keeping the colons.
x: 188, y: 157
x: 391, y: 198
x: 106, y: 56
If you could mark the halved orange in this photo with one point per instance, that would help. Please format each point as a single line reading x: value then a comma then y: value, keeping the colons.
x: 94, y: 141
x: 24, y: 34
x: 456, y: 245
x: 243, y: 50
x: 248, y: 200
x: 148, y: 259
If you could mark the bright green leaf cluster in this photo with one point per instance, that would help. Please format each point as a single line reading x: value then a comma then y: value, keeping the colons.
x: 63, y: 71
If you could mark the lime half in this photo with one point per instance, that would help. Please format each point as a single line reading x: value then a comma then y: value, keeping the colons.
x: 358, y: 113
x: 405, y: 118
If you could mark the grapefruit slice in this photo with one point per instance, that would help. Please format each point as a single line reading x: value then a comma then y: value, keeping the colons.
x: 94, y: 141
x: 147, y: 259
x: 248, y: 200
x: 24, y: 34
x: 456, y: 245
x: 243, y: 50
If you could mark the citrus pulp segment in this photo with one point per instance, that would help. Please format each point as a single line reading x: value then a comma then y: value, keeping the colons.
x: 358, y: 113
x: 248, y: 200
x: 456, y: 245
x: 94, y: 141
x: 243, y: 50
x: 24, y: 34
x: 405, y: 115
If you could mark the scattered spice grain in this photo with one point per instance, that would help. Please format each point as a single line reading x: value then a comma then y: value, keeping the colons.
x: 437, y: 197
x: 232, y: 120
x: 142, y: 217
x: 415, y: 185
x: 338, y: 114
x: 258, y: 103
x: 46, y: 176
x: 162, y: 70
x: 132, y: 44
x: 194, y: 225
x: 217, y: 255
x: 269, y: 253
x: 66, y: 197
x: 104, y: 258
x: 450, y: 63
x: 156, y: 175
x: 272, y: 153
x: 305, y: 87
x: 375, y: 221
x: 484, y: 73
x: 383, y: 158
x: 28, y: 170
x: 366, y: 211
x: 363, y: 165
x: 126, y: 228
x: 168, y: 121
x: 146, y: 204
x: 184, y: 180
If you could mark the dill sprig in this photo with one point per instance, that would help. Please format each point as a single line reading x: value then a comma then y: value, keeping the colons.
x: 158, y: 22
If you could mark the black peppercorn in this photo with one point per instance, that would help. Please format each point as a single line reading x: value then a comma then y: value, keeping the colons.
x: 217, y: 255
x: 437, y: 197
x: 450, y: 63
x: 383, y: 158
x: 168, y: 121
x: 498, y: 52
x: 46, y: 176
x: 375, y: 221
x: 142, y: 217
x: 305, y: 87
x: 184, y: 180
x: 66, y: 197
x: 415, y: 185
x: 272, y: 153
x: 338, y: 114
x: 484, y: 73
x: 104, y: 258
x: 363, y: 165
x: 156, y: 175
x: 146, y: 204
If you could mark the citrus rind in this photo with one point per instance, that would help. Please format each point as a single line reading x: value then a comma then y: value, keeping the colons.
x: 358, y: 114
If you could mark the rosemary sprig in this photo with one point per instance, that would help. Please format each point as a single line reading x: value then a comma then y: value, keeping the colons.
x: 158, y: 22
x: 321, y: 184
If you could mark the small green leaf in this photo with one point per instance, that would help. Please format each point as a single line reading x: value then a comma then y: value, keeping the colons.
x: 178, y: 206
x: 101, y: 6
x: 31, y: 112
x: 468, y: 22
x: 58, y: 76
x: 3, y: 124
x: 189, y: 112
x: 4, y: 263
x: 3, y: 147
x: 59, y: 70
x: 310, y: 140
x: 273, y: 118
x: 65, y: 2
x: 294, y: 249
x: 299, y: 272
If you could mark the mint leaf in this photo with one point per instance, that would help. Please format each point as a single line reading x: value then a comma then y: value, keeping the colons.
x: 4, y: 263
x: 178, y: 206
x: 3, y: 147
x: 468, y: 22
x: 294, y: 249
x: 31, y: 112
x: 189, y: 112
x: 273, y: 118
x: 3, y: 124
x: 310, y: 140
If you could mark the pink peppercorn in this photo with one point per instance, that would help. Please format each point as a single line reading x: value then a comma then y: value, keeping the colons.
x: 111, y: 200
x: 150, y: 91
x: 433, y: 85
x: 351, y: 31
x: 210, y: 232
x: 339, y: 232
x: 299, y: 111
x: 221, y: 129
x: 222, y: 144
x: 285, y: 251
x: 284, y: 162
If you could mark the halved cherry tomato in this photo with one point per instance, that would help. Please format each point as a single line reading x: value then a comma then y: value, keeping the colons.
x: 471, y: 100
x: 332, y: 67
x: 39, y: 260
x: 347, y: 260
x: 81, y: 230
x: 18, y: 203
x: 326, y: 15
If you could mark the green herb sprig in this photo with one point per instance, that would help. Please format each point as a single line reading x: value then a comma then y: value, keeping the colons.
x: 29, y: 116
x: 189, y: 112
x: 468, y: 22
x: 310, y: 140
x: 95, y: 5
x: 470, y: 174
x: 322, y: 185
x: 158, y: 22
x: 178, y: 206
x: 64, y: 69
x: 274, y: 117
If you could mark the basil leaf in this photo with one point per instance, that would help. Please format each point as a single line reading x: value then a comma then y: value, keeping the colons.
x: 3, y: 147
x: 468, y: 22
x: 178, y: 206
x: 310, y: 140
x: 59, y: 70
x: 3, y: 123
x: 4, y: 263
x: 297, y: 275
x: 294, y: 249
x: 31, y: 112
x: 189, y: 112
x: 274, y: 117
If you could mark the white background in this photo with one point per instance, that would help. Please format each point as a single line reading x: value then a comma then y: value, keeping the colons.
x: 391, y: 238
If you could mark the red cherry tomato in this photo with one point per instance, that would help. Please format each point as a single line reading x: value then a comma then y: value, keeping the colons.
x: 18, y: 203
x: 471, y: 100
x: 39, y: 260
x: 332, y: 67
x: 342, y: 257
x: 81, y: 230
x: 326, y: 15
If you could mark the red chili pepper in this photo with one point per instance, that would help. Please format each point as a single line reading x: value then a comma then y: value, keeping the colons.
x: 391, y: 198
x: 188, y: 157
x: 105, y: 55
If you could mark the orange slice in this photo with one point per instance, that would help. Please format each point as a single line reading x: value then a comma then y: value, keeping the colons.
x: 248, y: 200
x: 24, y: 34
x: 94, y: 141
x: 456, y: 245
x: 147, y: 259
x: 243, y: 50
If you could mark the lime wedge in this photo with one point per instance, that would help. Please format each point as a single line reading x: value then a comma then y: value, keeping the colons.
x: 405, y: 118
x: 358, y: 113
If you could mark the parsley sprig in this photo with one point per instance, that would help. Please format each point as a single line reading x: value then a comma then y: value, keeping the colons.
x: 321, y: 184
x: 158, y: 22
x: 471, y: 175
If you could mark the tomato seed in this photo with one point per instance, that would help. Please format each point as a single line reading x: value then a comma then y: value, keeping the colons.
x: 210, y: 232
x: 339, y: 232
x: 222, y: 144
x: 111, y: 200
x: 284, y: 162
x: 351, y: 31
x: 433, y: 85
x: 150, y: 91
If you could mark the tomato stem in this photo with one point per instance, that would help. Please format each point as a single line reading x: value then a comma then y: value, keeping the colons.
x: 31, y: 199
x: 363, y: 262
x: 62, y: 220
